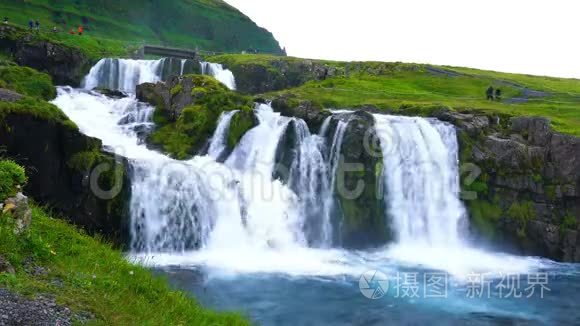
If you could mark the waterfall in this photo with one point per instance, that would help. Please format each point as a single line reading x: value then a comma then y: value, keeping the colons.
x: 126, y: 74
x: 181, y: 69
x: 216, y: 70
x: 422, y: 180
x: 122, y: 74
x: 218, y: 142
x: 257, y: 149
x: 312, y: 177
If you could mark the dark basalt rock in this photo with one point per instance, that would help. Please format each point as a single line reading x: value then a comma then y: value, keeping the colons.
x: 527, y: 189
x: 59, y: 160
x: 110, y: 93
x: 278, y: 74
x: 286, y: 153
x: 313, y: 116
x: 470, y: 123
x: 358, y: 186
x: 66, y: 65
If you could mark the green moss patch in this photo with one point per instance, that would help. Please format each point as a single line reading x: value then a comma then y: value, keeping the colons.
x: 197, y: 122
x: 37, y: 108
x: 11, y: 176
x: 27, y: 81
x: 484, y: 216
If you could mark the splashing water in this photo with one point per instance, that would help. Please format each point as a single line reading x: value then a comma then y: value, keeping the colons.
x: 125, y: 74
x: 216, y: 70
x: 231, y: 210
x: 217, y: 145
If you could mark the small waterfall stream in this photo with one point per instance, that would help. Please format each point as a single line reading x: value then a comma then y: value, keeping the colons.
x: 125, y: 74
x: 217, y: 145
x: 421, y: 175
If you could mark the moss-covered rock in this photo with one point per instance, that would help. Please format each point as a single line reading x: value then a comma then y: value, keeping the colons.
x: 66, y: 170
x: 12, y: 176
x: 522, y: 187
x: 263, y: 73
x: 187, y: 111
x: 27, y: 81
x: 240, y: 124
x: 65, y: 64
x: 359, y: 187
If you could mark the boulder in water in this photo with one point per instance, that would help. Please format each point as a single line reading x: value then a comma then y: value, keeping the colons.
x: 187, y: 109
x: 312, y: 114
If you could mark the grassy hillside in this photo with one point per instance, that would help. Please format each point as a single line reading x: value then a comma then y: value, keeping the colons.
x: 401, y: 86
x: 86, y: 274
x: 207, y: 24
x: 89, y: 276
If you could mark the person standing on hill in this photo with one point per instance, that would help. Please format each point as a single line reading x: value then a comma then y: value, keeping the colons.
x: 489, y: 93
x: 5, y: 20
x: 31, y: 24
x: 81, y: 30
x: 498, y: 94
x: 37, y: 24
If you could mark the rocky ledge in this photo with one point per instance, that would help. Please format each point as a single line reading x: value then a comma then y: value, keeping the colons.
x: 521, y: 183
x: 66, y: 65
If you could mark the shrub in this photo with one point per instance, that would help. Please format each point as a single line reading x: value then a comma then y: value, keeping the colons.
x: 11, y: 175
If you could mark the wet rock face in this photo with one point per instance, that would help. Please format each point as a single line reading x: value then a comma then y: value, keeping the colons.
x: 527, y: 186
x: 470, y: 123
x: 358, y: 187
x: 51, y: 154
x: 256, y: 78
x: 66, y: 65
x: 187, y: 109
x: 313, y: 116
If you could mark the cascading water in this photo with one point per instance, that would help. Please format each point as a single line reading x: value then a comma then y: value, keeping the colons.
x: 312, y: 177
x: 123, y: 74
x: 234, y: 218
x: 216, y: 70
x: 217, y: 145
x: 421, y: 176
x: 126, y: 74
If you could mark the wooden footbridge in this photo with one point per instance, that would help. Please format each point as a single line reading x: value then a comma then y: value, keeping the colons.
x: 166, y: 52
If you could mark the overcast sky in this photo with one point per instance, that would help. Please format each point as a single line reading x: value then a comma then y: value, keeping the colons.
x: 539, y: 37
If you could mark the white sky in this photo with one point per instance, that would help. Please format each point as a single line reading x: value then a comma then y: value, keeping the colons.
x: 539, y: 37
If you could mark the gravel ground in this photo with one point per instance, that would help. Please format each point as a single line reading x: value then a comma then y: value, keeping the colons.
x: 18, y: 310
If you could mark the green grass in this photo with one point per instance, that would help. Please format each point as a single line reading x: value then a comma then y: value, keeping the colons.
x: 36, y: 88
x: 96, y: 278
x: 408, y: 86
x: 11, y: 176
x: 93, y: 47
x: 206, y: 24
x: 27, y: 81
x: 36, y: 108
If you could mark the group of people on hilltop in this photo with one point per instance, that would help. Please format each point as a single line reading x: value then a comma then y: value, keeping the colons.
x: 35, y: 25
x: 493, y: 94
